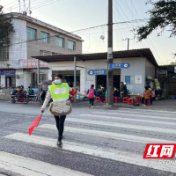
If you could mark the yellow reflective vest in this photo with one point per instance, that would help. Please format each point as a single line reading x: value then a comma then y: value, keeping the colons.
x: 59, y: 91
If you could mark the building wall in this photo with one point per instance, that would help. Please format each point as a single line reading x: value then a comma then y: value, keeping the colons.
x: 18, y: 47
x: 149, y: 69
x: 137, y: 67
x: 34, y: 47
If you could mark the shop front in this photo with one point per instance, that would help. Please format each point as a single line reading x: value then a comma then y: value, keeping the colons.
x: 27, y: 74
x: 132, y: 67
x: 7, y: 77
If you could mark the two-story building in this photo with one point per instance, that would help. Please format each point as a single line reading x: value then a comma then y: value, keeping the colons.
x: 33, y: 37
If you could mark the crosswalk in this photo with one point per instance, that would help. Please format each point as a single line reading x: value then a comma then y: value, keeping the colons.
x: 134, y: 127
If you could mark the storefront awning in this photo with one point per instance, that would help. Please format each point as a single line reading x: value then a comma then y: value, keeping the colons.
x: 99, y: 56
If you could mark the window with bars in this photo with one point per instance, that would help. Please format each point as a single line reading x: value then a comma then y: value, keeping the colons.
x: 31, y: 33
x: 60, y: 42
x: 44, y: 37
x: 71, y: 45
x: 4, y: 53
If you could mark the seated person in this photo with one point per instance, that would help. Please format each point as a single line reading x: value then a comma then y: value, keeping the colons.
x: 13, y: 91
x: 116, y: 92
x: 20, y: 94
x: 30, y: 91
x: 146, y: 96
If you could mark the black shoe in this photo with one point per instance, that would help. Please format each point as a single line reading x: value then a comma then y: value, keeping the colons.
x: 59, y: 142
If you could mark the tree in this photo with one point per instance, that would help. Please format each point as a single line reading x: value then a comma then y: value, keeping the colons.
x: 6, y: 28
x: 162, y: 15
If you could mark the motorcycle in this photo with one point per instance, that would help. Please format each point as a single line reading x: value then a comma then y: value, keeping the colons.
x: 24, y: 98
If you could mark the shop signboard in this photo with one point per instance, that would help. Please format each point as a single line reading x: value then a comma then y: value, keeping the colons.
x: 7, y: 72
x: 31, y: 63
x: 96, y: 72
x: 119, y: 65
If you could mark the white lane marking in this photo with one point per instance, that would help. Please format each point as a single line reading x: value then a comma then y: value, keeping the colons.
x: 105, y: 153
x: 123, y: 125
x: 128, y: 119
x: 145, y: 110
x: 136, y: 115
x: 27, y: 166
x: 109, y: 135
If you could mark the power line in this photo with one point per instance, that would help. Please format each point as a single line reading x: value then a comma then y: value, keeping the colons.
x: 148, y: 37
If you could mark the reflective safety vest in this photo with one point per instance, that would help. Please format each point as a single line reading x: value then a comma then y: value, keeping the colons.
x: 59, y: 91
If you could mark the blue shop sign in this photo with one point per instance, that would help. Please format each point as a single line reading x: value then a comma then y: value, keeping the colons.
x: 7, y: 72
x: 96, y: 72
x: 118, y: 66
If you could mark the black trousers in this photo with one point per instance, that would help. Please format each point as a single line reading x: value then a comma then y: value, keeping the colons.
x: 91, y: 101
x: 60, y: 125
x: 144, y: 101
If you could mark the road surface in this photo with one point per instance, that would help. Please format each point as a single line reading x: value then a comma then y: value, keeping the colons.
x: 96, y: 142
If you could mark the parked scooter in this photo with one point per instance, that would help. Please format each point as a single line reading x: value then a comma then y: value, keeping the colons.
x: 24, y: 98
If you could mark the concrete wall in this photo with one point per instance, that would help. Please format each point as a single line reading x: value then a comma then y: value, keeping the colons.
x: 149, y: 69
x: 34, y: 47
x: 137, y: 67
x: 5, y: 94
x: 18, y: 48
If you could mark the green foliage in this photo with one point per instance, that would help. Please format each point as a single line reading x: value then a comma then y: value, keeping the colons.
x: 162, y: 15
x: 6, y: 28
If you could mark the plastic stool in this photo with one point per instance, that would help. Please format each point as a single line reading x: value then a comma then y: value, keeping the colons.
x: 149, y: 102
x: 116, y: 99
x: 72, y: 99
x: 125, y: 99
x: 98, y: 100
x: 139, y: 99
x: 131, y: 101
x: 106, y: 101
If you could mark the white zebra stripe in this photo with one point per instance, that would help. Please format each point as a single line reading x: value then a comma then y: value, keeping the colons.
x: 27, y: 166
x: 123, y: 125
x: 111, y: 154
x: 109, y: 135
x: 136, y: 115
x: 128, y: 119
x: 147, y: 110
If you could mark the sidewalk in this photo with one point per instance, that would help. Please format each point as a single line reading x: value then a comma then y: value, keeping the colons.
x: 163, y: 105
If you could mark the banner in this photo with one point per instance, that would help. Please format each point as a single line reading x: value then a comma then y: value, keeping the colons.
x: 31, y: 63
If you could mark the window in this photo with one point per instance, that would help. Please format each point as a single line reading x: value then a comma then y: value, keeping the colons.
x: 71, y: 45
x: 44, y: 37
x: 4, y: 54
x: 31, y: 33
x: 60, y: 42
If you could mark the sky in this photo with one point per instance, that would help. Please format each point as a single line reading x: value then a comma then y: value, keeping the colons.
x: 72, y: 15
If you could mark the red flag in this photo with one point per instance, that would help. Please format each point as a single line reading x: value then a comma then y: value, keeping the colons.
x: 35, y: 123
x: 73, y: 92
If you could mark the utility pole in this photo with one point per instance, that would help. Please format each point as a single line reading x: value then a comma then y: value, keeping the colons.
x: 19, y: 6
x: 110, y: 54
x: 128, y: 42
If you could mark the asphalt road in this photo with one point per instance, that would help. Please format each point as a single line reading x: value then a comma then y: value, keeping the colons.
x: 96, y: 142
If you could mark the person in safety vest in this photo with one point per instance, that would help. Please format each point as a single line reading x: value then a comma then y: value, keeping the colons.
x: 59, y: 92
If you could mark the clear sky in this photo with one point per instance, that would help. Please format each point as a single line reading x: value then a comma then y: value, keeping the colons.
x: 73, y: 15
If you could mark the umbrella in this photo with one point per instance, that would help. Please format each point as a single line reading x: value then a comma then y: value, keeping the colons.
x: 46, y: 83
